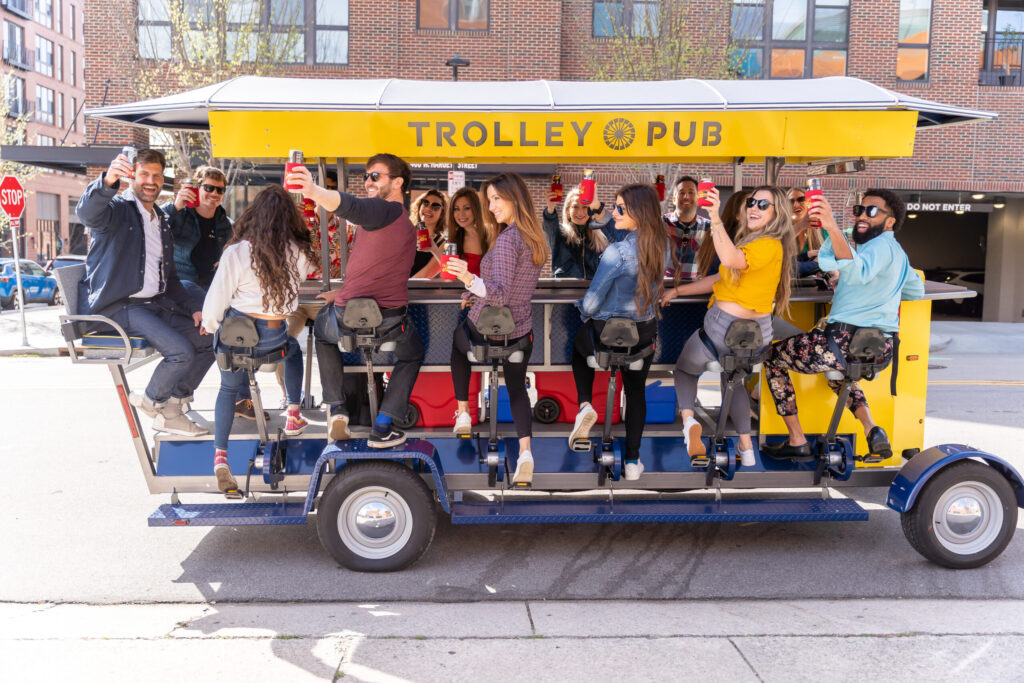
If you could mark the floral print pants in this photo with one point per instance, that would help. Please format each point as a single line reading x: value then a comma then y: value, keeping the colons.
x: 809, y: 354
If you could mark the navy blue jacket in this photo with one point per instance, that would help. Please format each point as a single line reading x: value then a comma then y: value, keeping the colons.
x: 185, y: 230
x: 116, y: 263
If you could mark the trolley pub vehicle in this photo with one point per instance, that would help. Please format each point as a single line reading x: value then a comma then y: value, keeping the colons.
x: 376, y: 510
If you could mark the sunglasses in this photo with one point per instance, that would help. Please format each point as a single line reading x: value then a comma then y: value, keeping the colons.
x: 799, y: 200
x: 436, y: 206
x: 620, y: 208
x: 212, y: 188
x: 871, y: 211
x: 762, y: 204
x: 375, y: 176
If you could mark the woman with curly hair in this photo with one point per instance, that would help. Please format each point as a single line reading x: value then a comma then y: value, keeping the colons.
x: 752, y: 282
x: 466, y: 228
x: 431, y: 209
x: 627, y: 284
x: 258, y: 277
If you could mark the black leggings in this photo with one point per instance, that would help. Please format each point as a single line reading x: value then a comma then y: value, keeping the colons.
x: 633, y: 381
x: 515, y: 375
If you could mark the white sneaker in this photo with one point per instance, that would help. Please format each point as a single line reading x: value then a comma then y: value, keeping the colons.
x: 145, y: 403
x: 338, y: 427
x: 585, y: 419
x: 692, y: 433
x: 176, y: 423
x: 463, y: 423
x: 747, y: 458
x: 524, y: 469
x: 633, y: 470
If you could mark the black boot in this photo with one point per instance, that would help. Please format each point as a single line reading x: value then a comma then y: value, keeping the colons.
x: 878, y: 443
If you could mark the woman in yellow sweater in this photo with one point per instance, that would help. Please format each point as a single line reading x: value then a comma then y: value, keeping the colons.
x: 751, y: 283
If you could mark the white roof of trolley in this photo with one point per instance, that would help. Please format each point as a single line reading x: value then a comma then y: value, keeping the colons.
x: 189, y: 110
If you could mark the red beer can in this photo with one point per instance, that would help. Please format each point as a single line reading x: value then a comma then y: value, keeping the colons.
x: 451, y: 251
x: 192, y: 203
x: 422, y: 237
x: 811, y: 195
x: 703, y: 187
x: 587, y: 188
x: 295, y: 159
x: 556, y: 187
x: 659, y: 185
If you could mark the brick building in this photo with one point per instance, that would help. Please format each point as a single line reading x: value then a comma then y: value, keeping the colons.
x: 961, y: 52
x: 43, y: 51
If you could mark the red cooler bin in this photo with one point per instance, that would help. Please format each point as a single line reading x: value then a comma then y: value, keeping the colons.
x: 561, y: 387
x: 434, y: 397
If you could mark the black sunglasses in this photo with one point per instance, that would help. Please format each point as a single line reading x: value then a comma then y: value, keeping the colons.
x: 871, y: 211
x: 761, y: 203
x: 620, y: 208
x: 212, y: 188
x: 436, y: 206
x: 375, y: 176
x: 799, y: 200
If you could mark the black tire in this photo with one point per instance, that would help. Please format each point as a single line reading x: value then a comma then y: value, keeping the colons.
x: 412, y: 416
x: 547, y: 410
x: 55, y: 298
x: 392, y: 488
x: 987, y: 516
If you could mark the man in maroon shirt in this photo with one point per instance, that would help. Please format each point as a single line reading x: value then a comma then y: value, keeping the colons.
x: 383, y: 251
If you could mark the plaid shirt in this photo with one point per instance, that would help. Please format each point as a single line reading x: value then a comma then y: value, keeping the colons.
x: 686, y: 238
x: 510, y: 277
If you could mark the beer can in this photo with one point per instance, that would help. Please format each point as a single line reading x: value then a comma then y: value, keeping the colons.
x: 132, y: 154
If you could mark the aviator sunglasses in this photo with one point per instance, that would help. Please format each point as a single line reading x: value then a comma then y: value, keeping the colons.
x: 762, y: 204
x: 871, y: 211
x: 436, y: 206
x: 375, y: 176
x: 212, y: 188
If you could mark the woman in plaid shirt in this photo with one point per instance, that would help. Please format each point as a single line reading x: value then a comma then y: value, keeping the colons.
x: 508, y: 275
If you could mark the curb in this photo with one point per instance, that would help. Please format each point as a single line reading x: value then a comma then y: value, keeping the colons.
x: 31, y: 351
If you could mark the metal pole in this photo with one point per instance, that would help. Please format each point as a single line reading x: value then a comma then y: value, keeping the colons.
x: 325, y: 235
x: 737, y: 173
x: 341, y: 166
x: 15, y: 225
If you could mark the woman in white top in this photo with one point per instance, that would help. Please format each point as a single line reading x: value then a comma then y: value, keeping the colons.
x: 258, y: 277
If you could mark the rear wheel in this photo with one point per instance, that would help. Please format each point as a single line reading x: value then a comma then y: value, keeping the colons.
x: 376, y: 517
x: 964, y: 517
x: 55, y: 298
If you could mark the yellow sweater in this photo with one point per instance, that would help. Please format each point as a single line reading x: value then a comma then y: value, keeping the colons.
x: 757, y: 285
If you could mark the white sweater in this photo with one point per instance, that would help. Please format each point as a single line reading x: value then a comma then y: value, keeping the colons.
x: 235, y: 285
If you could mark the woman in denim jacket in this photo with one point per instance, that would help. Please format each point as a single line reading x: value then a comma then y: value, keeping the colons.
x: 628, y: 284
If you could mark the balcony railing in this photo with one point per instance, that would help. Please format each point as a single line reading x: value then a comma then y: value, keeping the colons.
x: 23, y: 7
x: 18, y: 56
x: 1001, y: 61
x: 19, y: 108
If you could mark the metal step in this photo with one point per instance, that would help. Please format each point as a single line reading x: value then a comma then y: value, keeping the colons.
x: 567, y: 511
x: 228, y: 514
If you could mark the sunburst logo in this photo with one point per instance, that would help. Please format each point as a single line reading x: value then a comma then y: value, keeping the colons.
x: 619, y: 134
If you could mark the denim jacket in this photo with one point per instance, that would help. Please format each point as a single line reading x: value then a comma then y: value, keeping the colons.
x: 613, y: 288
x: 184, y: 226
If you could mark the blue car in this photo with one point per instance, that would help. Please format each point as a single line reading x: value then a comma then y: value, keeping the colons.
x: 37, y: 284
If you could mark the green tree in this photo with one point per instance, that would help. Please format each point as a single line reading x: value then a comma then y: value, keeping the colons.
x: 14, y: 115
x: 202, y: 42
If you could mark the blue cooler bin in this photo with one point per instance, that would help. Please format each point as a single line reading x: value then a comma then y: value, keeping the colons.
x: 661, y: 402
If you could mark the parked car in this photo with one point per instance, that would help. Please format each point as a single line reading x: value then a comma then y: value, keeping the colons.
x: 63, y: 260
x: 971, y: 279
x: 37, y: 285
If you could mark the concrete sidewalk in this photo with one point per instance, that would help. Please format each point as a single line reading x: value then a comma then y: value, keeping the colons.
x: 44, y: 336
x: 890, y: 640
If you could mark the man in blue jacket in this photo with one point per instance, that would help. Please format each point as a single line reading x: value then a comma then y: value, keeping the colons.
x: 199, y: 232
x: 873, y: 279
x: 130, y: 277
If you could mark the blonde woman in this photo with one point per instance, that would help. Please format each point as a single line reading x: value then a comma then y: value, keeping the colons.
x: 430, y: 208
x: 752, y: 282
x: 576, y: 243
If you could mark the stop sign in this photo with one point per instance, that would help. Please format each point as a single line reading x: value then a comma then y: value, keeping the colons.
x: 12, y: 196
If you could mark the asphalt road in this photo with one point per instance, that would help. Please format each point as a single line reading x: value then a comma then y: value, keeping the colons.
x: 76, y: 507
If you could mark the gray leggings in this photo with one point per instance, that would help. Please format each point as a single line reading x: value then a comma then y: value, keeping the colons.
x: 695, y: 357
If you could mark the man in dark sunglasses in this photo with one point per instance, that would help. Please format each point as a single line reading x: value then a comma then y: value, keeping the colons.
x: 383, y: 251
x: 199, y: 231
x: 873, y: 279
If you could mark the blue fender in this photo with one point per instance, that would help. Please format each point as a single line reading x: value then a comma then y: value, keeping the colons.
x: 916, y: 473
x: 356, y: 449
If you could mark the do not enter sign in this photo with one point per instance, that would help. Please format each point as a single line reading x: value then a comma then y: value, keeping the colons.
x: 12, y: 196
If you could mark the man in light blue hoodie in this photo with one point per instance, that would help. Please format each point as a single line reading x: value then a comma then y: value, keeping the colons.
x: 873, y: 279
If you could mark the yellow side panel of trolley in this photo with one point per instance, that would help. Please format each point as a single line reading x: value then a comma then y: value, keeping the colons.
x: 902, y: 416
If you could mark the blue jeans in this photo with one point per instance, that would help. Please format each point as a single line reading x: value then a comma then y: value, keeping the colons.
x: 233, y: 382
x: 199, y: 296
x: 187, y: 355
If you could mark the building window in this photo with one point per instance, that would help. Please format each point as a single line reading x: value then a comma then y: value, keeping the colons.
x: 59, y: 62
x: 790, y: 38
x: 74, y: 114
x: 453, y: 15
x: 73, y: 67
x: 74, y: 21
x: 44, y: 12
x: 60, y: 16
x: 44, y: 104
x: 60, y: 110
x: 15, y: 52
x: 15, y: 97
x: 627, y: 18
x: 914, y: 46
x: 1002, y: 29
x: 292, y: 31
x: 45, y: 141
x: 44, y: 56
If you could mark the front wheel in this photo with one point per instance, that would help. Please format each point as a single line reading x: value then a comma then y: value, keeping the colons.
x: 55, y: 298
x: 964, y: 517
x: 376, y: 517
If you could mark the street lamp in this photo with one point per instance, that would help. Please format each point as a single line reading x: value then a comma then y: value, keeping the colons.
x: 455, y: 62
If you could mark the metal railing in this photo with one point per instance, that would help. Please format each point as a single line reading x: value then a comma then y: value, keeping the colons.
x: 19, y: 56
x: 23, y: 7
x: 1001, y: 61
x: 20, y: 108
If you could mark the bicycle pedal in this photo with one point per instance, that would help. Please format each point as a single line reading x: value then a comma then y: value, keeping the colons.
x: 233, y: 494
x: 582, y: 445
x: 871, y: 458
x: 700, y: 462
x: 522, y: 485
